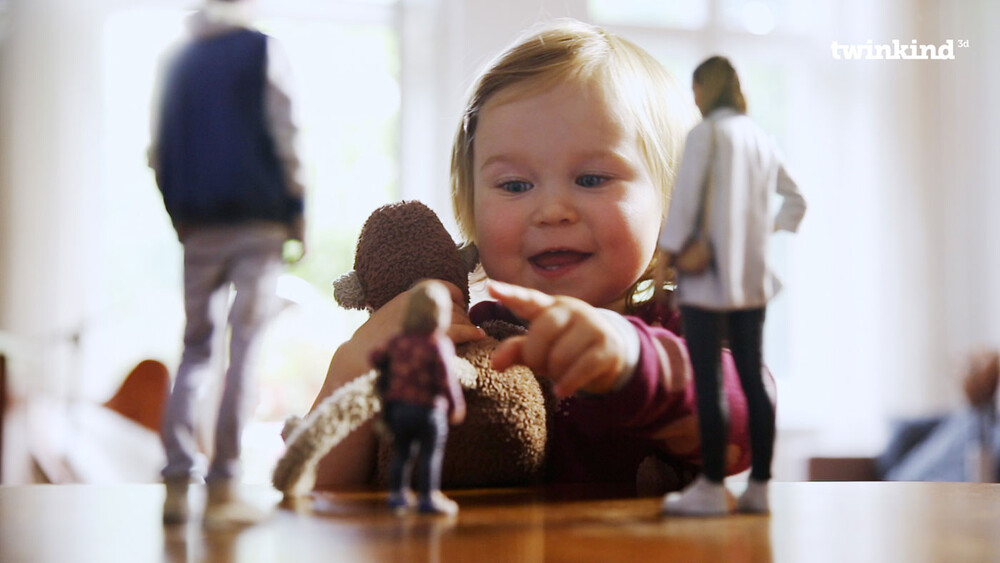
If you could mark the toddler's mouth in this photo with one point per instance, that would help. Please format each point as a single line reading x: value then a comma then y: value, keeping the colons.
x: 553, y: 260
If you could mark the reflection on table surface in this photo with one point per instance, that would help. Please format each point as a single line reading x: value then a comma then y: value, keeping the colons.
x: 809, y: 522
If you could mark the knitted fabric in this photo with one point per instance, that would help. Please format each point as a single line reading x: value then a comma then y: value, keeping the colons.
x: 400, y: 244
x: 327, y: 425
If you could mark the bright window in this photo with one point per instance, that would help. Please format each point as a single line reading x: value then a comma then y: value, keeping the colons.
x: 688, y: 15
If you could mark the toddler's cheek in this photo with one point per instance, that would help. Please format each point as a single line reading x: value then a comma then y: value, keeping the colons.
x: 496, y: 256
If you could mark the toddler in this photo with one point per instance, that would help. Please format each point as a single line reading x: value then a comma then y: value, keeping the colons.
x: 562, y: 171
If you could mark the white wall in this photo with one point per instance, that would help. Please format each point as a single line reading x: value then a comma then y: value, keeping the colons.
x: 896, y: 277
x: 859, y: 287
x: 51, y: 157
x: 965, y: 172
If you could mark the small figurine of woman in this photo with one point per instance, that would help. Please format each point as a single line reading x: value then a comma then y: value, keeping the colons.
x: 725, y: 182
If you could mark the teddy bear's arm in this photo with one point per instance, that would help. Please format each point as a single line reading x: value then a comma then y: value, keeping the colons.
x: 348, y: 292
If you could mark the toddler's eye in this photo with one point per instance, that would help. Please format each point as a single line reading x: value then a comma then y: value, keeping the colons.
x: 515, y: 186
x: 590, y: 180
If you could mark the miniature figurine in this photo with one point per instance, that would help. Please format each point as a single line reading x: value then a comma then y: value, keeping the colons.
x: 721, y: 197
x: 421, y: 395
x: 222, y: 148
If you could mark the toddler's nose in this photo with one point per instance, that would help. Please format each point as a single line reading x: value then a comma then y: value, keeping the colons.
x: 555, y: 207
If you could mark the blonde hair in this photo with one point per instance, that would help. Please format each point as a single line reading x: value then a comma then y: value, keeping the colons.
x: 423, y: 310
x: 569, y: 50
x: 720, y: 85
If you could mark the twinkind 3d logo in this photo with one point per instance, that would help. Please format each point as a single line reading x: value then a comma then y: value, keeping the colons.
x: 896, y: 50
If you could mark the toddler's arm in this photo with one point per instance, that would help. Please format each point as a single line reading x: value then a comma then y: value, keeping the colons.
x: 658, y: 403
x: 655, y: 401
x: 672, y: 420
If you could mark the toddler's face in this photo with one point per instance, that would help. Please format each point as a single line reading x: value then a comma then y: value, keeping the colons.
x: 564, y: 202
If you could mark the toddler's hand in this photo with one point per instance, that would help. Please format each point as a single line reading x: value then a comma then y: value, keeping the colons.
x: 568, y: 341
x: 388, y: 320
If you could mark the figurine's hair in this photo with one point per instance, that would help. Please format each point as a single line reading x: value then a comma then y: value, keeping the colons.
x: 571, y: 51
x: 720, y: 85
x: 423, y: 311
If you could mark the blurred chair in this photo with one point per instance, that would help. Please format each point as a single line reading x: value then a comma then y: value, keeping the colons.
x: 117, y: 441
x: 143, y: 395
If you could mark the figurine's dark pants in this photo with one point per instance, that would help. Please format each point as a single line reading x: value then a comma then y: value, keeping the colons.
x: 420, y: 428
x: 703, y: 330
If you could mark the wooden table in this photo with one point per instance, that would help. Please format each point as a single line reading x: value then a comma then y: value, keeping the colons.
x: 853, y: 522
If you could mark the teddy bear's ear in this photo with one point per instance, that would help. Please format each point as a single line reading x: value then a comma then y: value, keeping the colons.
x: 347, y: 291
x: 470, y: 255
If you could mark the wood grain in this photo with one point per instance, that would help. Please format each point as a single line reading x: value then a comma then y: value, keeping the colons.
x: 847, y: 521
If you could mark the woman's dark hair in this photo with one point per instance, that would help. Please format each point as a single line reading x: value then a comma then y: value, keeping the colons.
x: 720, y: 86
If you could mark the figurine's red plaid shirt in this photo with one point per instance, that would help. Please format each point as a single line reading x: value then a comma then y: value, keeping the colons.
x: 418, y: 373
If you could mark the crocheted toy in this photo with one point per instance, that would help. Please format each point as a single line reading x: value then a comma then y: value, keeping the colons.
x: 503, y: 438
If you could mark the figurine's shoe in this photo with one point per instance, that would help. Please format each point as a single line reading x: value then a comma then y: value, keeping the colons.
x: 225, y: 507
x: 701, y: 498
x: 437, y: 503
x: 175, y: 506
x: 754, y: 499
x: 402, y: 501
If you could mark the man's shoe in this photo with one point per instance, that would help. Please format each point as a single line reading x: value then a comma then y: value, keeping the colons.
x: 225, y: 507
x: 175, y: 506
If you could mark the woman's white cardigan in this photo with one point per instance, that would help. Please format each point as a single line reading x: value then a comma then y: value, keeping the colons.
x: 746, y: 169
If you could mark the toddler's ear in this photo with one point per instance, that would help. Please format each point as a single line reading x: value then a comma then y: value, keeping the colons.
x: 347, y: 291
x: 470, y: 255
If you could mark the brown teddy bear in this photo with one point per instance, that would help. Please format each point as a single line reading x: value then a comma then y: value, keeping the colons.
x: 503, y: 438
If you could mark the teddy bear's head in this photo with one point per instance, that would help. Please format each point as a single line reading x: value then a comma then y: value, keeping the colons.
x: 400, y: 244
